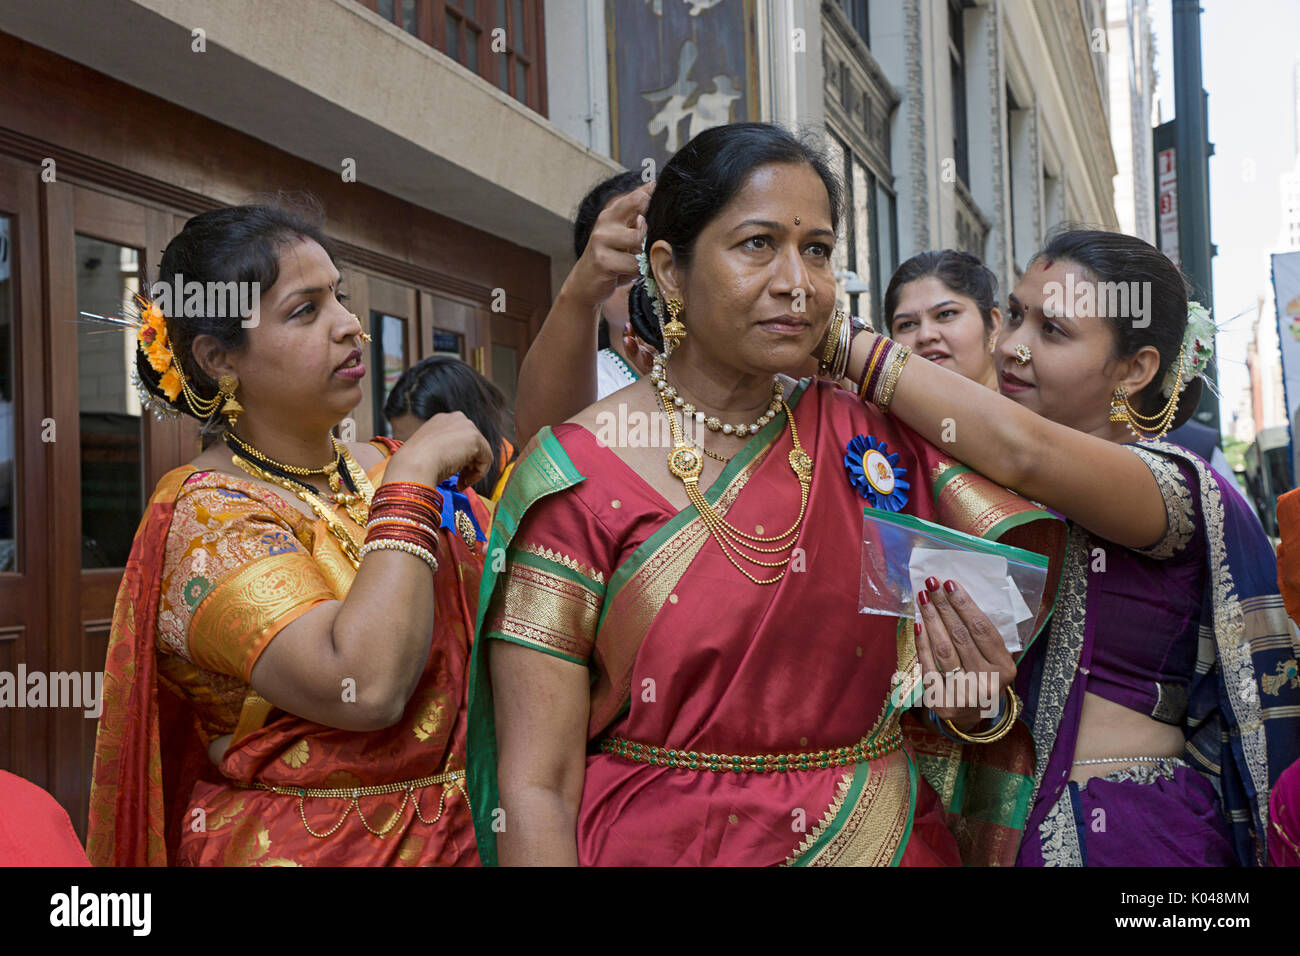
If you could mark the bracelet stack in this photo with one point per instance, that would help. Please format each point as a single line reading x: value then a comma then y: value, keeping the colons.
x: 880, y: 376
x: 405, y: 516
x: 1007, y: 717
x: 835, y: 357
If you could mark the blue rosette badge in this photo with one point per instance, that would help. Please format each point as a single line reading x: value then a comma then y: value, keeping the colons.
x: 874, y: 472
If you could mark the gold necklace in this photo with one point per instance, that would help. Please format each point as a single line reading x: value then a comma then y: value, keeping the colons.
x: 351, y: 549
x: 685, y: 463
x: 330, y: 469
x: 356, y: 505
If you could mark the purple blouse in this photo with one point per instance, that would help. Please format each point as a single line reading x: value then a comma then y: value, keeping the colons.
x: 1147, y: 604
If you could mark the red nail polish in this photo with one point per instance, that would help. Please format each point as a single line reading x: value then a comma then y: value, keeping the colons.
x: 932, y: 583
x: 949, y: 586
x: 923, y: 598
x: 916, y: 626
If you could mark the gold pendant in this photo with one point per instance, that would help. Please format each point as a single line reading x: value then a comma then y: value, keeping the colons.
x: 685, y: 463
x: 801, y: 464
x: 466, y: 529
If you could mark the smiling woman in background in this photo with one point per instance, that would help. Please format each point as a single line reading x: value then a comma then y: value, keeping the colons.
x: 941, y: 305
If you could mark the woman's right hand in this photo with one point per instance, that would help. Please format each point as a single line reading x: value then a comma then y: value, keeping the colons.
x: 441, y: 447
x: 610, y: 257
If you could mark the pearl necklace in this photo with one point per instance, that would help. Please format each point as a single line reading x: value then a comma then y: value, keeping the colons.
x: 669, y: 394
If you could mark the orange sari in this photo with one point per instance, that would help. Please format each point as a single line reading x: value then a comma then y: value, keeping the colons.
x: 219, y: 566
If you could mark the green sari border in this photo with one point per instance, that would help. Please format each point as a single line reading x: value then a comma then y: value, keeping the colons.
x: 546, y: 470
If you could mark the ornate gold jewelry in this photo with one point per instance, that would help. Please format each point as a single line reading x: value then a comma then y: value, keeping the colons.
x: 860, y: 752
x: 351, y: 549
x: 835, y: 353
x: 231, y: 408
x: 659, y: 376
x: 391, y: 544
x: 1122, y: 410
x: 675, y: 330
x: 797, y: 220
x: 455, y: 778
x: 1023, y: 354
x: 321, y: 472
x: 899, y: 358
x: 366, y: 337
x: 685, y: 464
x: 1009, y: 717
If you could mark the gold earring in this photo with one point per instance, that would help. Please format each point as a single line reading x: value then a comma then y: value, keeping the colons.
x: 231, y: 408
x: 1119, y: 405
x: 675, y: 330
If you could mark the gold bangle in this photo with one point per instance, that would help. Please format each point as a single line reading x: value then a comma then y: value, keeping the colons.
x: 891, y: 378
x: 832, y: 342
x: 994, y: 734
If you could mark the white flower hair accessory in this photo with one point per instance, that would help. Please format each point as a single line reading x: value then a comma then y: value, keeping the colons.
x: 1198, y: 349
x: 651, y: 287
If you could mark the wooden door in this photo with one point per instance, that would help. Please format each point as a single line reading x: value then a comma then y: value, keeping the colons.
x: 111, y: 455
x: 25, y: 500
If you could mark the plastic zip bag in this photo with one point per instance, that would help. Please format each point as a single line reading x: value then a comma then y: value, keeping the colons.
x: 900, y: 551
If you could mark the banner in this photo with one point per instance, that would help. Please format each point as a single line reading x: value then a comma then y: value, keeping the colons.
x: 1286, y: 295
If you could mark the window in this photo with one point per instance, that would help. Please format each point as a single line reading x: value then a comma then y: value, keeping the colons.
x: 500, y: 40
x: 389, y: 361
x: 957, y: 67
x: 856, y: 11
x: 112, y: 475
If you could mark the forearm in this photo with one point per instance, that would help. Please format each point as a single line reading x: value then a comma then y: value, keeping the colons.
x: 540, y: 828
x: 558, y: 376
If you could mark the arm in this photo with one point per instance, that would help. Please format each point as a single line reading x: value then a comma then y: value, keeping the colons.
x: 379, y: 636
x: 1098, y: 483
x: 567, y: 340
x: 542, y: 707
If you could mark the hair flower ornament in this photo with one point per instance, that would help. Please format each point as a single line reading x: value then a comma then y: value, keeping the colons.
x: 651, y: 287
x: 1198, y: 349
x: 874, y: 472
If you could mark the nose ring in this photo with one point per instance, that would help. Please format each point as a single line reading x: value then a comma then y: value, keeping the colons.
x: 1023, y: 355
x: 365, y: 336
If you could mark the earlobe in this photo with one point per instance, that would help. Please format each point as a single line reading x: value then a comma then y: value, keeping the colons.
x: 664, y: 268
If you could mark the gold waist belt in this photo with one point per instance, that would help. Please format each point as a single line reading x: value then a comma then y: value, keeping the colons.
x: 455, y: 779
x: 864, y: 749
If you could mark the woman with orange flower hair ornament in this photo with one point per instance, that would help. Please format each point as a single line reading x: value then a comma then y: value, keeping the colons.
x: 285, y: 672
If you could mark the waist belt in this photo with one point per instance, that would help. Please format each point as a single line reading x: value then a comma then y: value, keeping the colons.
x: 864, y: 749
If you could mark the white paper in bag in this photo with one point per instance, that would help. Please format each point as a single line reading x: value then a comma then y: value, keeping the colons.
x: 984, y: 577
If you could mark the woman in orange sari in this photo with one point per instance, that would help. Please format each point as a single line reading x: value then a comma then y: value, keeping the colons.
x: 285, y: 675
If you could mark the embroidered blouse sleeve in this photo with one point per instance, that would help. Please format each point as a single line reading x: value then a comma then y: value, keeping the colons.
x: 234, y: 576
x: 550, y: 595
x: 1180, y: 502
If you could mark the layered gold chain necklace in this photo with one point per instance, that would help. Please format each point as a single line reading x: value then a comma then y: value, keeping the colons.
x: 685, y: 463
x: 355, y: 503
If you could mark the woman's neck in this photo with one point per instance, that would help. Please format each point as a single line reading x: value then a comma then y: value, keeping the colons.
x: 301, y: 448
x: 731, y: 396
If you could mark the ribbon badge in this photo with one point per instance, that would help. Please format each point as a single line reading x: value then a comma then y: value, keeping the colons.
x: 875, y: 474
x: 457, y: 515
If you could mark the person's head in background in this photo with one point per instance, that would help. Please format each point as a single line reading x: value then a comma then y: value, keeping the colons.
x: 614, y: 309
x: 443, y: 383
x: 941, y: 305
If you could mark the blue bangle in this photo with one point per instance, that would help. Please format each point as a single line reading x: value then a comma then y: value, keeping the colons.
x: 1002, y: 709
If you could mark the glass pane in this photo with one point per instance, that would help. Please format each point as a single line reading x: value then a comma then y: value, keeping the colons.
x: 861, y: 226
x: 518, y: 32
x: 503, y: 370
x: 885, y: 230
x: 502, y: 21
x: 521, y: 82
x: 8, y: 456
x: 448, y: 343
x: 471, y: 49
x: 112, y: 480
x: 453, y: 38
x: 471, y: 8
x: 408, y: 17
x: 503, y: 72
x: 386, y: 10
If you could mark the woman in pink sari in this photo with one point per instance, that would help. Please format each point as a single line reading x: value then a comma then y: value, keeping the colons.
x: 676, y: 672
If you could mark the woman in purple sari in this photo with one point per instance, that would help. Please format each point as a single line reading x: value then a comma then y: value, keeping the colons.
x: 1163, y: 701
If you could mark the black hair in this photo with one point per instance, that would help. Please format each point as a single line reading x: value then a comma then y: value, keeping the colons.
x: 960, y: 272
x: 641, y: 314
x: 233, y: 244
x: 594, y: 203
x: 1114, y: 257
x: 705, y: 174
x: 443, y: 383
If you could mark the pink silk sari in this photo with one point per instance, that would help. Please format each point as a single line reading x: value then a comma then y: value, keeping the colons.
x: 687, y: 653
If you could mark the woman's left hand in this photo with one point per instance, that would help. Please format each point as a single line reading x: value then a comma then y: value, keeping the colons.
x: 955, y: 637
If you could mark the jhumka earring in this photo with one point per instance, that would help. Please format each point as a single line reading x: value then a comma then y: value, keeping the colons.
x: 231, y: 408
x: 674, y: 330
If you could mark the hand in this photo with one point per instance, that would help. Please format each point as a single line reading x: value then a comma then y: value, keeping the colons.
x: 610, y: 257
x: 955, y: 633
x: 441, y: 447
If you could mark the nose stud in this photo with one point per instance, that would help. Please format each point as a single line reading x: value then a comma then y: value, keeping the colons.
x: 1023, y: 355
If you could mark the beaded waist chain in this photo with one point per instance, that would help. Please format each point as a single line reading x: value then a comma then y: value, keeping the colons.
x: 454, y: 779
x: 863, y: 750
